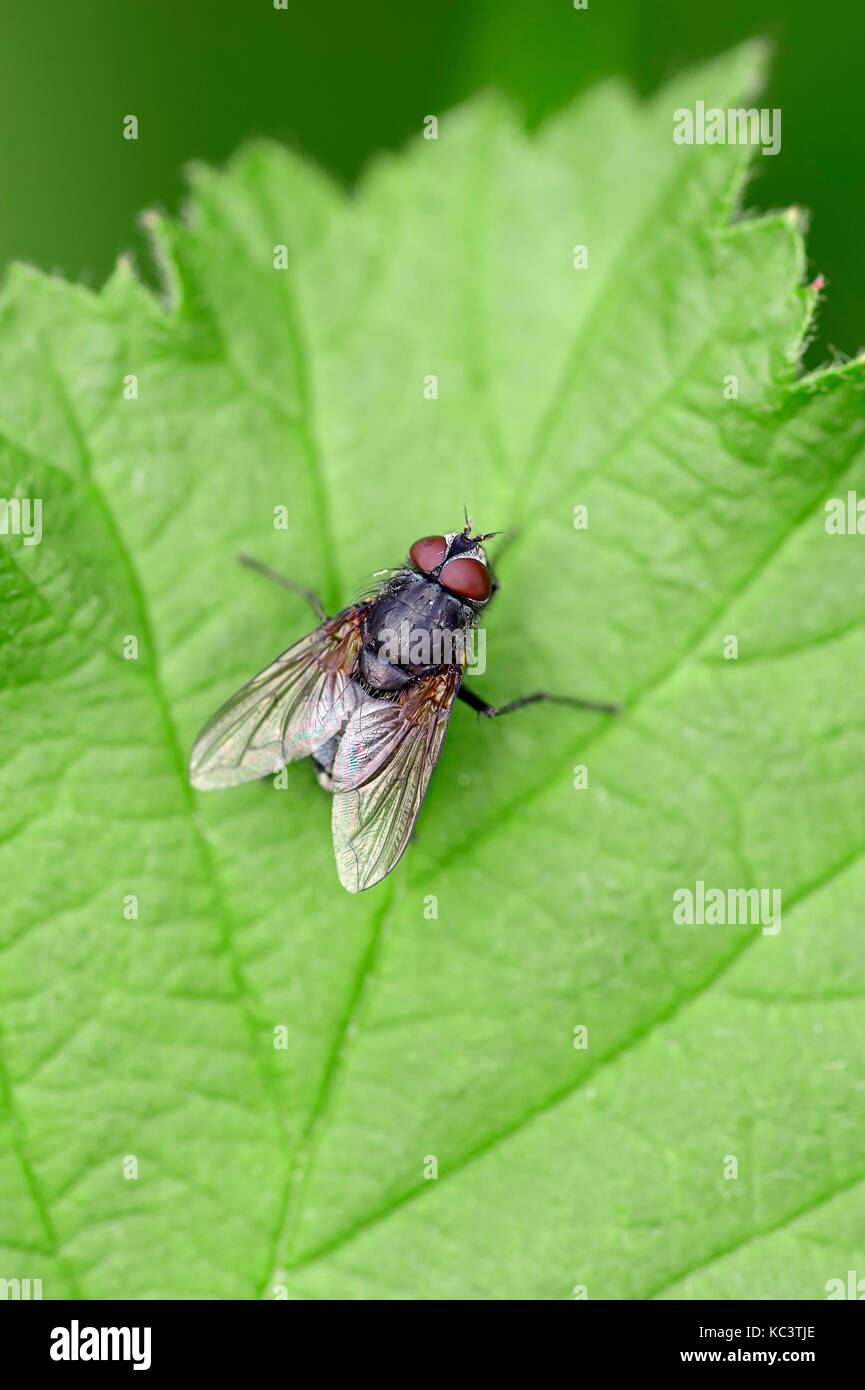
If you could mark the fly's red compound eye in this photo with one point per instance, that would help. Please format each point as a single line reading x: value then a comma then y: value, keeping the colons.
x: 467, y: 577
x: 429, y: 552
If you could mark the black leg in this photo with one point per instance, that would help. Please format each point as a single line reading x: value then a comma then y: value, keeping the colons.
x: 502, y: 546
x: 476, y: 703
x: 507, y: 539
x: 309, y: 594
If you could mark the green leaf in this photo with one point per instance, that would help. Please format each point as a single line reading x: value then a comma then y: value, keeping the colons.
x: 409, y: 1037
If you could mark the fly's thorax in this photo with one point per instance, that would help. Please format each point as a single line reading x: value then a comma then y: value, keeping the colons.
x: 417, y: 627
x: 380, y: 675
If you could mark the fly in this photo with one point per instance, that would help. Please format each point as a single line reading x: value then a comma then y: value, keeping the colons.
x: 367, y: 696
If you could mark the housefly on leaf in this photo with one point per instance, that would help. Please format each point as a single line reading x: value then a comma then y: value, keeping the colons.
x: 367, y: 696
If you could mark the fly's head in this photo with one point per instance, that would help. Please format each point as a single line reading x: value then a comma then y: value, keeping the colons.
x: 457, y: 562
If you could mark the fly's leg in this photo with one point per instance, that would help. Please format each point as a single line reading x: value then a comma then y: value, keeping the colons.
x: 490, y: 711
x: 507, y: 539
x: 309, y: 594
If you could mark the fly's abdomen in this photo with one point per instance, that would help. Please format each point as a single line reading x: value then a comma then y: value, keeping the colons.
x: 322, y: 758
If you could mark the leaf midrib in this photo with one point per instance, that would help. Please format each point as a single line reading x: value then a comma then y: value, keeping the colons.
x: 496, y: 823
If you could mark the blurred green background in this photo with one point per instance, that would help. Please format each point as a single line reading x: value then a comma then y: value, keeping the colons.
x: 343, y: 80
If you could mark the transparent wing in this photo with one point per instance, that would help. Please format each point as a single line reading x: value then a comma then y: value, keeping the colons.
x: 381, y: 773
x: 290, y: 708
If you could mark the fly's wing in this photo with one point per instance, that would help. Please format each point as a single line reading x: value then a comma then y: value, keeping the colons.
x: 381, y: 772
x: 290, y: 708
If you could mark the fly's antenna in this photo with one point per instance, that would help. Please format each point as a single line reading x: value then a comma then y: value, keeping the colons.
x: 467, y: 530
